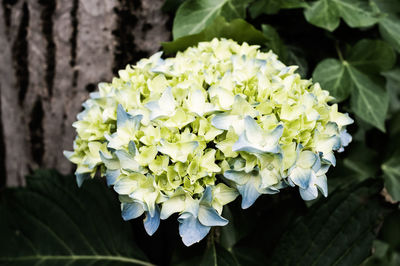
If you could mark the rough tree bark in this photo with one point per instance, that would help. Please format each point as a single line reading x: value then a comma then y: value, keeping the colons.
x: 52, y: 55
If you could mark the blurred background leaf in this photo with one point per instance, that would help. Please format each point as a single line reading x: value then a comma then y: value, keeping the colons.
x: 53, y: 222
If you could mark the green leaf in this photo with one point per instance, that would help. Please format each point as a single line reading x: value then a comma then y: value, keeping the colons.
x: 273, y: 6
x: 238, y: 30
x: 383, y: 255
x: 336, y: 231
x: 327, y: 13
x: 362, y: 160
x: 368, y: 101
x: 356, y: 13
x: 53, y: 222
x: 391, y: 170
x: 274, y: 42
x: 324, y: 14
x: 195, y: 15
x: 372, y: 56
x: 389, y: 27
x: 393, y: 88
x: 216, y: 255
x: 334, y: 77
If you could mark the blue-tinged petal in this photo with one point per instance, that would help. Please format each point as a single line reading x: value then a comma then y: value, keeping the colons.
x: 172, y: 205
x: 123, y: 117
x: 225, y: 121
x: 310, y: 193
x: 110, y: 162
x: 301, y: 177
x: 127, y: 161
x: 191, y: 230
x: 207, y: 196
x: 253, y: 131
x: 132, y: 148
x: 249, y: 192
x: 131, y: 210
x: 81, y: 177
x: 243, y: 144
x: 239, y: 177
x: 208, y: 216
x: 151, y: 223
x: 125, y: 185
x: 111, y: 176
x: 164, y: 107
x: 329, y: 157
x: 322, y: 184
x: 345, y: 139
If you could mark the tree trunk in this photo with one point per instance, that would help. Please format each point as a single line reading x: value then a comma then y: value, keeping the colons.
x: 52, y: 55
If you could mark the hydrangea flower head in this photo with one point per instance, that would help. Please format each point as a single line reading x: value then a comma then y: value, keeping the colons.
x: 188, y: 134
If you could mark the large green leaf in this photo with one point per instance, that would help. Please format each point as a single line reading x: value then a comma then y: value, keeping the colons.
x: 334, y: 77
x: 368, y: 100
x: 372, y: 56
x: 336, y: 231
x: 216, y: 255
x: 391, y: 170
x: 342, y: 78
x: 393, y: 88
x: 327, y: 13
x: 195, y: 15
x: 53, y: 222
x: 324, y: 14
x: 273, y: 6
x: 389, y: 28
x: 238, y: 30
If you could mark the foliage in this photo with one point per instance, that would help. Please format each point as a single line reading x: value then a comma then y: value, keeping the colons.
x: 351, y: 48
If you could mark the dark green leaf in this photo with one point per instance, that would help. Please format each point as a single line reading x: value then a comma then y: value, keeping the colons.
x: 334, y: 77
x: 324, y: 14
x: 216, y: 255
x: 327, y: 13
x: 273, y: 6
x: 195, y: 15
x: 238, y: 30
x: 274, y: 42
x: 391, y: 170
x: 53, y: 222
x: 362, y: 160
x: 336, y: 231
x: 383, y: 255
x: 389, y: 28
x: 369, y: 101
x: 393, y: 88
x: 372, y: 56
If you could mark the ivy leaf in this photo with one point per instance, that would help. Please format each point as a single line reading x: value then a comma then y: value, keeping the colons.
x: 327, y: 13
x: 338, y: 230
x: 391, y: 170
x: 324, y: 14
x: 393, y: 88
x: 334, y: 77
x: 342, y: 78
x: 362, y: 160
x: 216, y: 255
x: 274, y: 42
x: 238, y: 30
x: 372, y: 56
x: 195, y: 15
x: 368, y: 101
x: 389, y: 27
x: 53, y: 222
x: 273, y: 6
